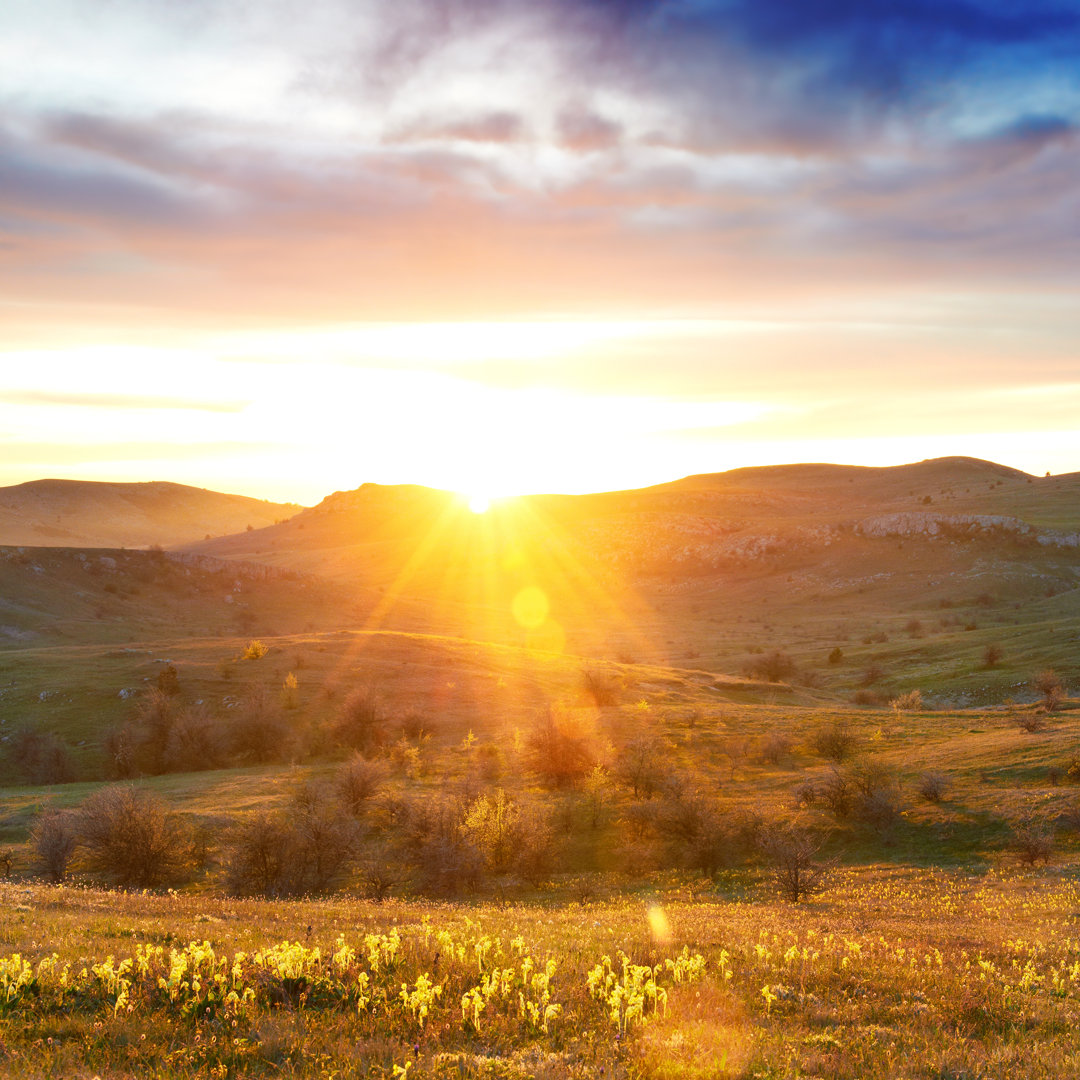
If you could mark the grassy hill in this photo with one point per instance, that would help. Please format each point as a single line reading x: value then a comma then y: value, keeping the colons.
x: 915, y: 570
x: 83, y: 513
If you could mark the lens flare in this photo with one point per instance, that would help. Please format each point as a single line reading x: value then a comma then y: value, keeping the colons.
x: 531, y: 607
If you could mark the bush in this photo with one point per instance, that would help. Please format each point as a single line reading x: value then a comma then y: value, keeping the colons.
x: 257, y: 730
x: 444, y: 861
x: 865, y: 697
x: 639, y: 766
x: 168, y: 682
x: 775, y: 748
x: 836, y: 656
x: 306, y: 851
x: 775, y: 666
x: 835, y: 741
x: 149, y: 731
x: 992, y: 655
x: 54, y: 839
x: 561, y: 752
x: 1049, y: 686
x: 129, y: 838
x: 1031, y: 721
x: 912, y: 701
x: 792, y: 858
x: 196, y: 742
x: 41, y: 756
x: 491, y: 824
x: 358, y: 781
x: 359, y: 723
x: 701, y: 836
x: 932, y: 786
x: 255, y: 650
x: 1033, y: 840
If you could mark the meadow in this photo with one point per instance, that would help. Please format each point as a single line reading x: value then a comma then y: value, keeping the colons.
x: 890, y: 972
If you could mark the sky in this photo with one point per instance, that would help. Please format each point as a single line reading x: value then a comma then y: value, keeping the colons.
x: 284, y: 248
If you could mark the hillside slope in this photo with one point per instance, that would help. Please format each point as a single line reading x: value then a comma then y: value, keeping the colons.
x: 914, y: 570
x: 84, y: 513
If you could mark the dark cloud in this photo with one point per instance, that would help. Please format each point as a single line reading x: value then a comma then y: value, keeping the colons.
x: 582, y: 130
x: 34, y: 178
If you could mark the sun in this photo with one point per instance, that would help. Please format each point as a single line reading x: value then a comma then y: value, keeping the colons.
x: 479, y: 503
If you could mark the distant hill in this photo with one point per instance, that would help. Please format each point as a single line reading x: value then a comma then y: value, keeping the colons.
x: 83, y: 513
x: 715, y: 569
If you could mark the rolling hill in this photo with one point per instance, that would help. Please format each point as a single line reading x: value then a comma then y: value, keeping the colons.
x: 84, y: 513
x: 914, y: 570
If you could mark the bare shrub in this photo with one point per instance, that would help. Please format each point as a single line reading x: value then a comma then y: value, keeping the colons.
x: 54, y: 839
x: 379, y: 872
x: 598, y: 688
x: 120, y: 750
x: 992, y: 655
x: 638, y: 820
x: 701, y: 835
x: 735, y: 748
x: 775, y: 666
x: 835, y: 741
x: 791, y: 855
x: 257, y: 730
x: 358, y: 781
x: 196, y: 742
x: 359, y: 723
x: 561, y: 750
x: 443, y: 860
x: 328, y: 841
x: 775, y: 748
x: 1033, y: 840
x: 41, y: 756
x: 932, y: 786
x: 149, y: 731
x: 598, y: 793
x: 131, y: 839
x: 639, y: 765
x: 168, y: 681
x: 912, y: 701
x: 306, y: 851
x: 537, y: 851
x: 259, y: 857
x: 1049, y: 685
x: 1031, y: 721
x: 836, y: 793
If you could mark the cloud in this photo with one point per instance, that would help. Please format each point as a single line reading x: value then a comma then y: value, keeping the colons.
x: 119, y: 401
x: 491, y: 127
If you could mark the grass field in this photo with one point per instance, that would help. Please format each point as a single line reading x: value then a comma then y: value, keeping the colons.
x: 890, y: 973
